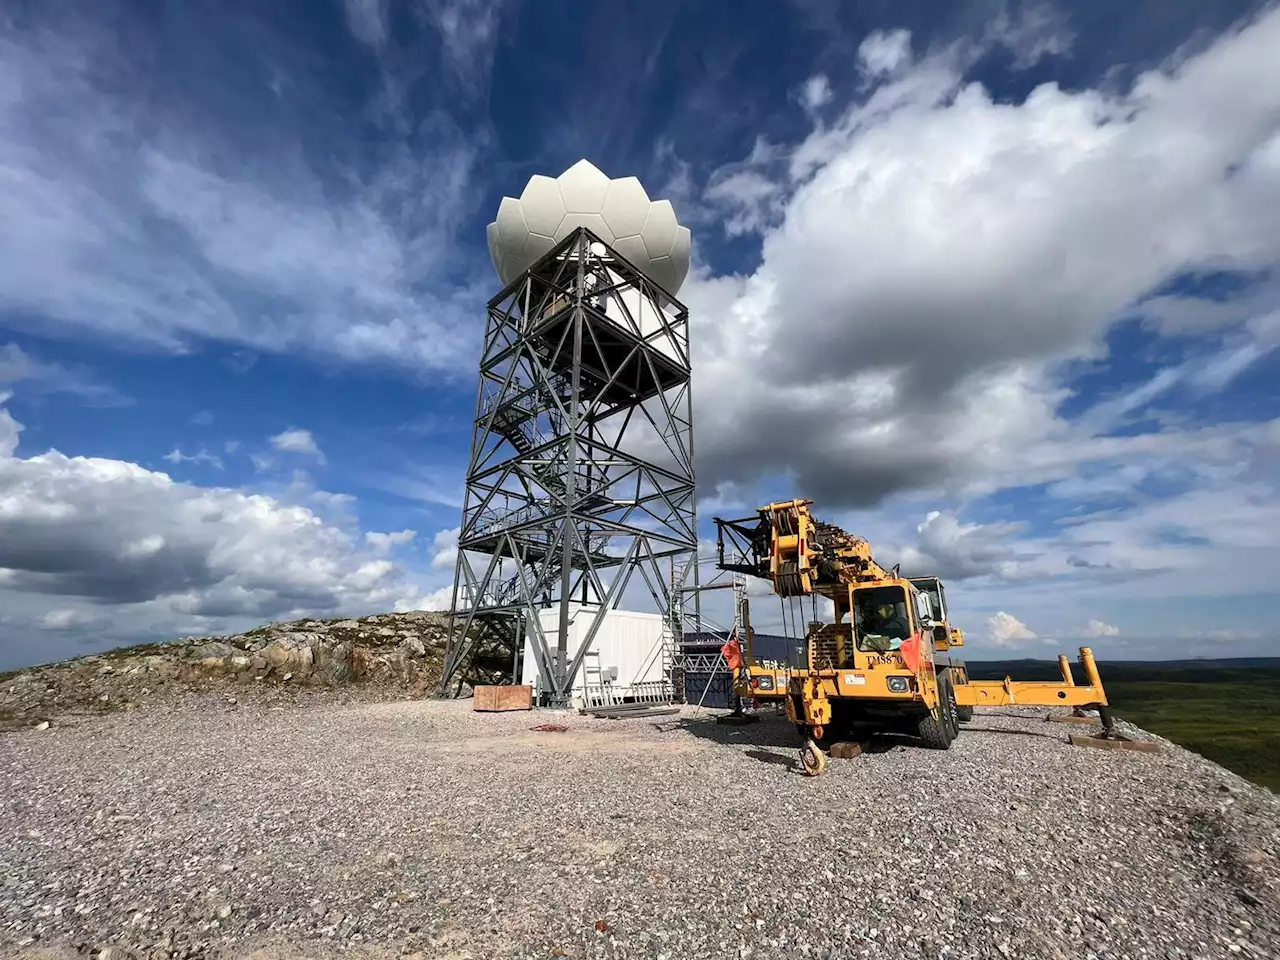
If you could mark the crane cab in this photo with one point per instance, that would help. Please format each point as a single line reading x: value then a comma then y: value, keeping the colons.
x: 945, y: 636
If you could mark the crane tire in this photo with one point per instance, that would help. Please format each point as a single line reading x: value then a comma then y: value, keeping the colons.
x: 936, y: 731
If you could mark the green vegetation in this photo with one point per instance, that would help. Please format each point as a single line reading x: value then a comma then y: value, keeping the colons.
x: 1232, y: 718
x: 1229, y: 715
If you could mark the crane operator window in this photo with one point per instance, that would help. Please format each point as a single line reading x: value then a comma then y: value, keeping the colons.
x: 880, y: 618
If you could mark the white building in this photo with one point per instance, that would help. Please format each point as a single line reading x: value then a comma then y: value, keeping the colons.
x: 627, y: 659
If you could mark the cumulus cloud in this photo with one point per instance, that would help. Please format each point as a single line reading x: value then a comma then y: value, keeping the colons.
x: 297, y: 441
x: 1099, y: 628
x: 384, y: 542
x: 1005, y: 630
x: 435, y: 600
x: 956, y: 551
x: 9, y: 428
x: 444, y: 548
x: 95, y: 534
x: 931, y: 260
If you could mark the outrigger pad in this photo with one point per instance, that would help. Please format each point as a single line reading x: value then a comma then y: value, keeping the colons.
x: 1108, y: 743
x: 845, y: 751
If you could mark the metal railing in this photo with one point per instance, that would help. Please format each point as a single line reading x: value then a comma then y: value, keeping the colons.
x: 608, y: 694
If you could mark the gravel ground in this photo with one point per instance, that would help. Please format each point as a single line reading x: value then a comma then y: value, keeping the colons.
x: 378, y: 830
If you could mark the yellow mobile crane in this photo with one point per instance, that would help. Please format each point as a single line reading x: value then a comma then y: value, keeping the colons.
x: 885, y: 660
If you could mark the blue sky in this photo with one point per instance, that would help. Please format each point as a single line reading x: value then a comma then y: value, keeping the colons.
x: 994, y: 282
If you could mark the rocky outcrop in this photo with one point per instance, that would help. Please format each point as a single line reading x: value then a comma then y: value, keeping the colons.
x: 395, y: 654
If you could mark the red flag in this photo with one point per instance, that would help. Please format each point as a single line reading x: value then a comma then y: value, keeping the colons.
x: 732, y: 654
x: 910, y: 651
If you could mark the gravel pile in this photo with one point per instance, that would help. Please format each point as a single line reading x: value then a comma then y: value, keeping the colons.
x: 377, y: 830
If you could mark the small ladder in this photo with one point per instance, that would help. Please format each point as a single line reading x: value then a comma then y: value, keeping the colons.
x: 595, y: 693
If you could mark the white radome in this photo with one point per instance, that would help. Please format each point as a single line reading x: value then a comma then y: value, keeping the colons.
x: 619, y: 212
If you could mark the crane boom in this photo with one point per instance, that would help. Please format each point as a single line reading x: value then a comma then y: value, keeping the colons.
x: 800, y: 554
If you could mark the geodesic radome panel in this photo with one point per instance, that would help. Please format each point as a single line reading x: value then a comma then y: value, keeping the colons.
x: 644, y: 231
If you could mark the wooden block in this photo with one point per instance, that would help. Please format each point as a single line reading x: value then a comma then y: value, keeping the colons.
x: 1067, y: 718
x: 845, y: 751
x: 1142, y: 746
x: 500, y: 698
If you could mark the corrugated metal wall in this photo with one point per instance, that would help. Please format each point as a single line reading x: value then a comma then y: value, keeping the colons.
x: 715, y: 689
x: 627, y: 640
x: 712, y: 690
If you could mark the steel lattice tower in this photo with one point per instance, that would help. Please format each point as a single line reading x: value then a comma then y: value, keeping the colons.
x: 581, y: 470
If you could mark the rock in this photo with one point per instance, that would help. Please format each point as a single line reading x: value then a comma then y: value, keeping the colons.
x: 277, y: 654
x: 213, y: 649
x: 335, y: 665
x: 400, y: 652
x: 112, y: 953
x: 42, y: 725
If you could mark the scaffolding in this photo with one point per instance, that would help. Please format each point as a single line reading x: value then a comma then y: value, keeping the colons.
x: 698, y: 637
x: 581, y: 468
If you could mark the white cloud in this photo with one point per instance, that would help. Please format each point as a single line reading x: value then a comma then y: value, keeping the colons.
x: 1005, y: 630
x: 297, y: 441
x: 427, y: 484
x: 151, y: 232
x: 9, y: 428
x: 38, y: 376
x: 384, y: 542
x: 884, y: 52
x: 368, y: 21
x: 952, y: 550
x: 1038, y: 31
x: 92, y: 534
x: 435, y: 600
x: 933, y: 258
x: 816, y: 92
x: 176, y: 456
x: 469, y: 31
x: 66, y: 619
x: 1099, y: 628
x: 444, y: 549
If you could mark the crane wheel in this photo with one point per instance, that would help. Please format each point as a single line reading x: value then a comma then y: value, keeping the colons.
x: 964, y: 713
x: 812, y: 759
x: 937, y: 731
